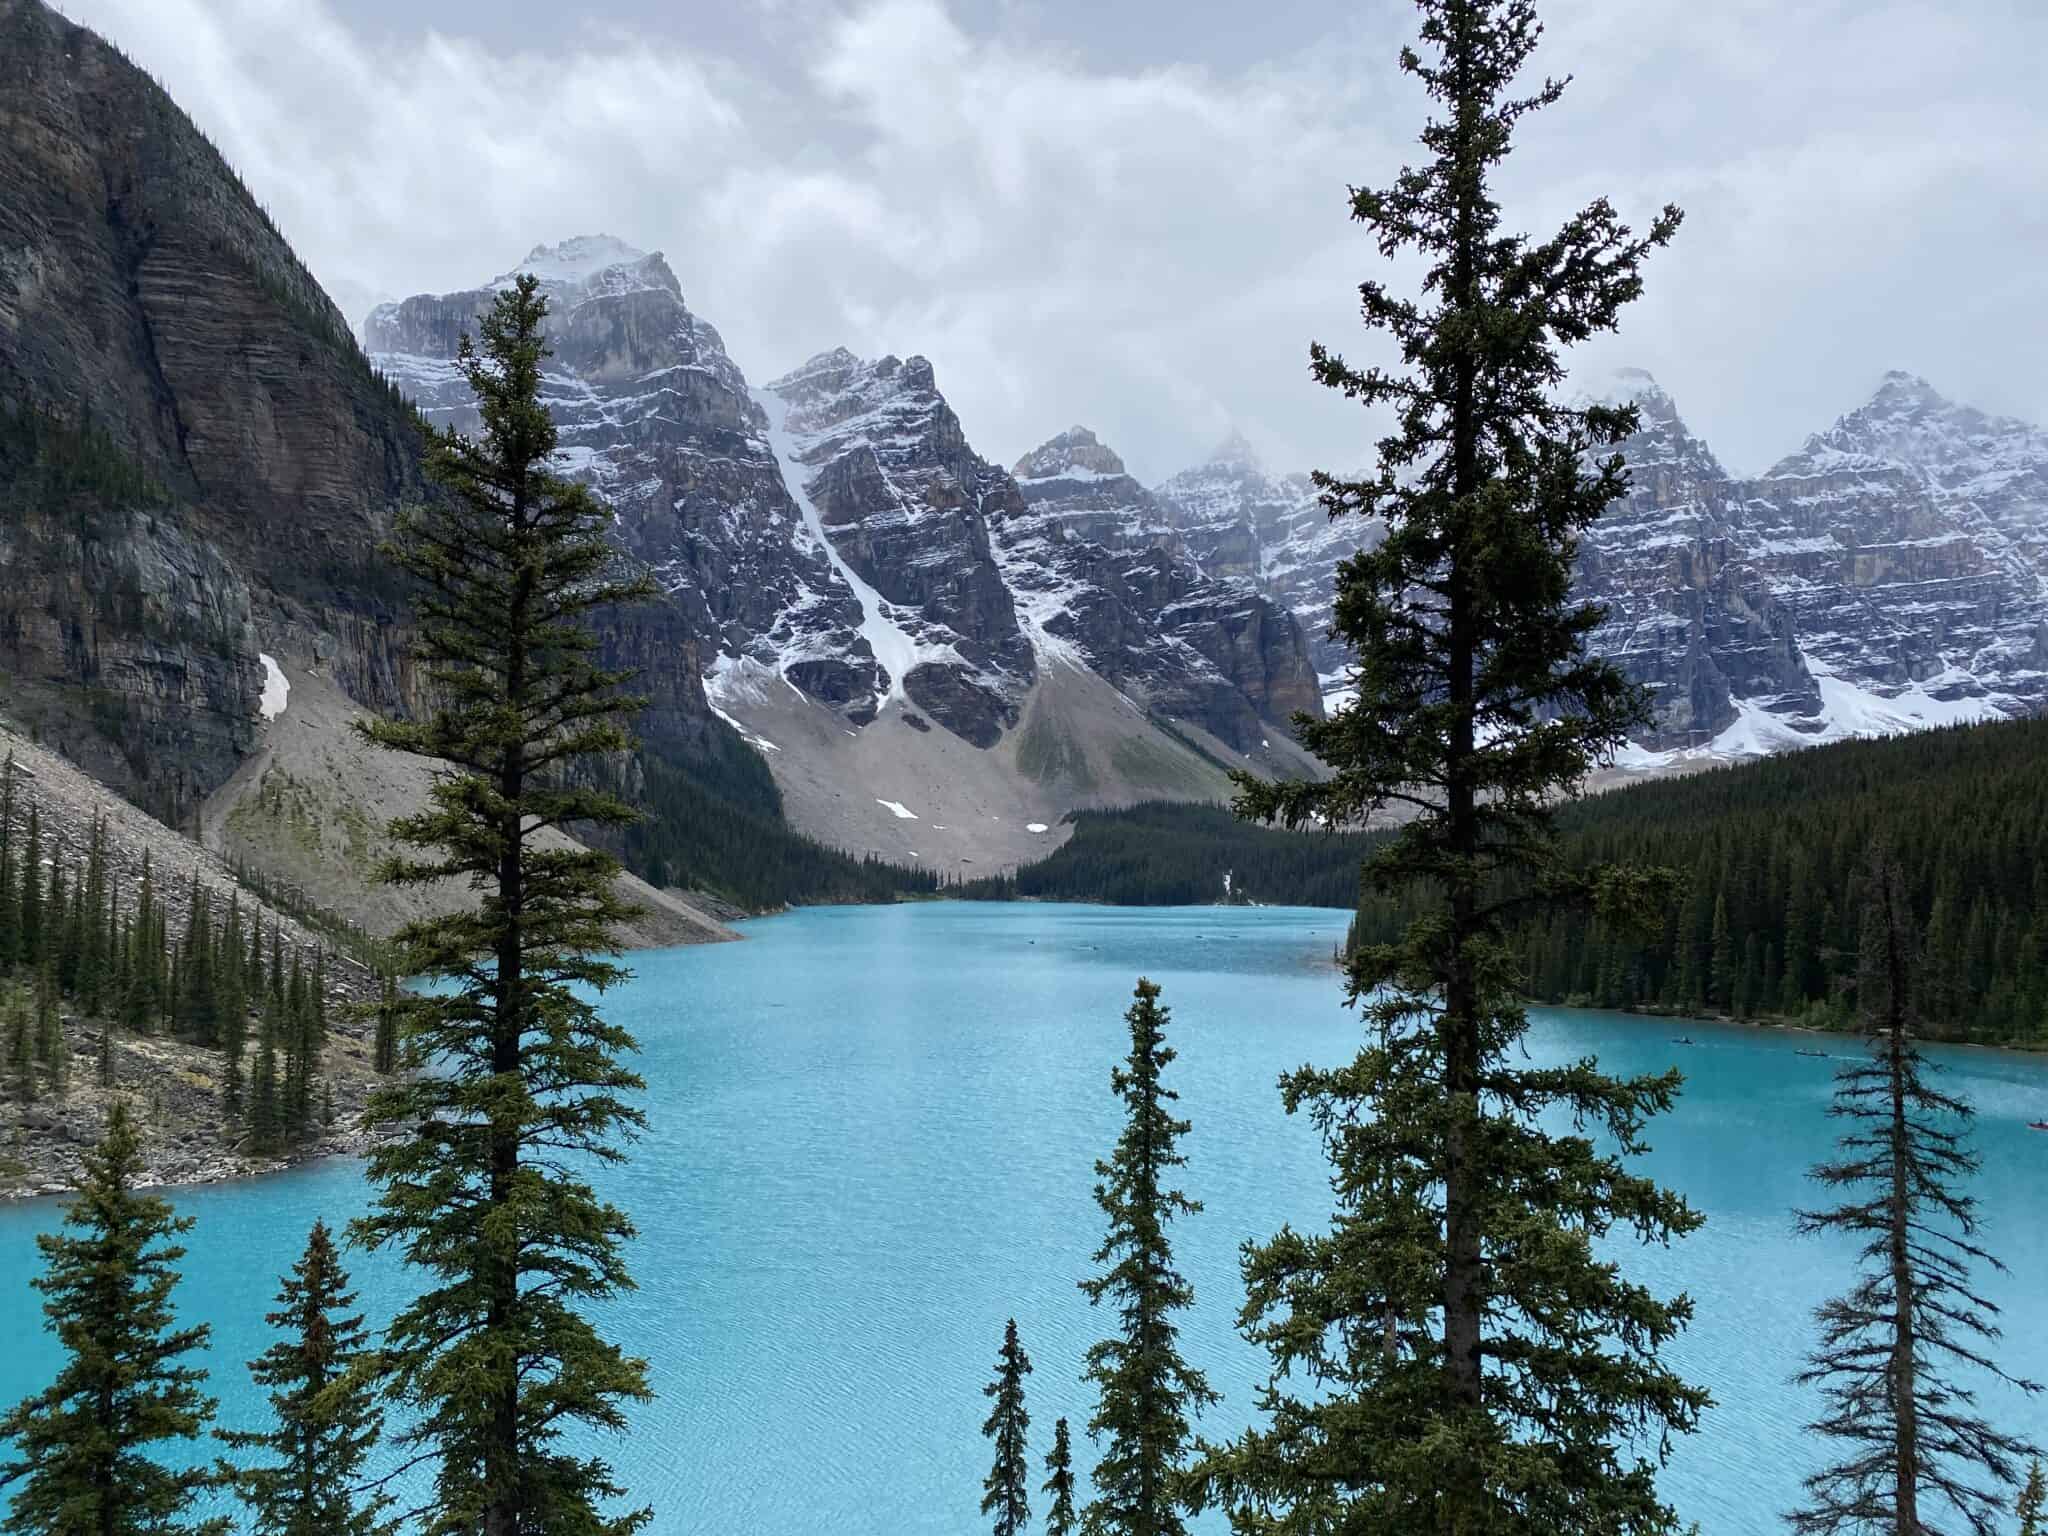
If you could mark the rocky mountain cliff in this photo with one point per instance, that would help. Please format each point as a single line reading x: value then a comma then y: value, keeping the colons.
x: 1106, y: 578
x: 1270, y: 533
x: 836, y: 539
x: 195, y: 457
x: 1891, y: 574
x: 901, y: 505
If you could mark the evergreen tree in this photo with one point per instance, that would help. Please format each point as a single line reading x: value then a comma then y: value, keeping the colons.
x: 323, y: 1398
x: 1525, y: 1365
x: 302, y: 1054
x: 499, y: 1359
x: 198, y: 1013
x: 252, y: 972
x: 21, y: 1050
x: 82, y: 1467
x: 266, y: 1121
x: 2032, y: 1508
x: 230, y: 983
x: 28, y: 929
x: 1906, y: 1438
x: 1004, y: 1494
x: 92, y: 981
x: 51, y: 1050
x: 1144, y: 1388
x: 10, y: 905
x: 384, y: 1055
x: 121, y: 956
x: 1724, y: 973
x: 144, y: 1003
x: 1796, y: 984
x: 1060, y: 1520
x: 59, y: 930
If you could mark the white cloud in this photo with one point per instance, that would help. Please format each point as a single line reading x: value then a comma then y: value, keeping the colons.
x: 1148, y: 249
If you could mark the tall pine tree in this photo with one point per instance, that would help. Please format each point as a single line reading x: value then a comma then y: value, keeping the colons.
x: 1145, y: 1390
x: 83, y: 1444
x: 1060, y: 1519
x: 384, y: 1054
x: 28, y: 926
x: 10, y: 907
x: 1909, y: 1447
x: 323, y: 1397
x: 498, y: 1360
x: 1005, y: 1493
x: 1525, y: 1376
x: 19, y: 1026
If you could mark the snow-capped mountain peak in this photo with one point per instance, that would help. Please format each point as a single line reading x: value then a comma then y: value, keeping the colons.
x: 1075, y: 454
x: 574, y: 260
x: 1236, y: 451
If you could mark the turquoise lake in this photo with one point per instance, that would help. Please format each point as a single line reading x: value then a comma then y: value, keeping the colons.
x: 871, y: 1137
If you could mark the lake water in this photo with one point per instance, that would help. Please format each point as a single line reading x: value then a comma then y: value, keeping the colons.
x: 871, y: 1137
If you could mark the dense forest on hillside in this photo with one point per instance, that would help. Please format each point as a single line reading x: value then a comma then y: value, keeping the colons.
x: 151, y: 961
x: 1775, y: 852
x: 1166, y: 854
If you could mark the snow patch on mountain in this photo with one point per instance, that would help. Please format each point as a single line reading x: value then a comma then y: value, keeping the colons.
x: 894, y: 647
x: 1847, y: 711
x: 277, y: 688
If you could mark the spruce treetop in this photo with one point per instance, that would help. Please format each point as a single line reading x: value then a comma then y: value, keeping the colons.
x: 81, y: 1445
x: 1005, y: 1491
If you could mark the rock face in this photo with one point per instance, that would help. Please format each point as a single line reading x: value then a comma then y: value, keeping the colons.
x: 1105, y: 580
x: 878, y: 459
x: 196, y: 459
x: 654, y: 414
x: 1889, y: 574
x: 1240, y: 523
x: 1892, y: 573
x: 1689, y: 614
x: 1912, y: 538
x: 1076, y: 483
x: 835, y: 529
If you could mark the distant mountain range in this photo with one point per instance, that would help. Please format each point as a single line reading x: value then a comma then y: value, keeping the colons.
x: 935, y: 657
x: 896, y: 623
x: 1892, y: 573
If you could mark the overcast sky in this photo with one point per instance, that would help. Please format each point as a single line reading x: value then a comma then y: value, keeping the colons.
x: 1132, y: 213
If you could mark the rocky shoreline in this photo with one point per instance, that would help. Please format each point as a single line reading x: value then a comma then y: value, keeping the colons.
x: 172, y: 1090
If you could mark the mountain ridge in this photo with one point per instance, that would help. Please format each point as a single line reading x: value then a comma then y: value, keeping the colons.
x: 1892, y: 573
